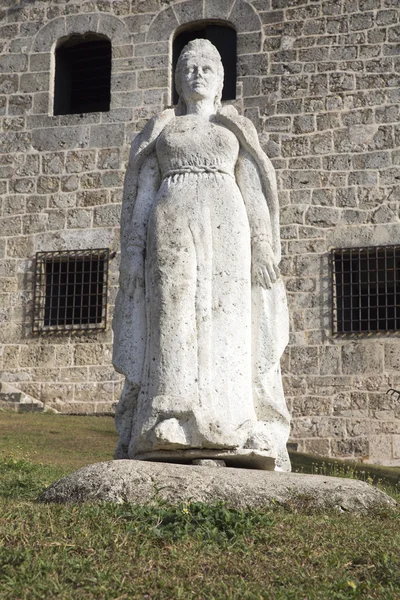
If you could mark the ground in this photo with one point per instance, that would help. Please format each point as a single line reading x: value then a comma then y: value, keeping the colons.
x: 188, y: 551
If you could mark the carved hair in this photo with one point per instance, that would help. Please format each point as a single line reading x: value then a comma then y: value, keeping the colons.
x: 195, y: 48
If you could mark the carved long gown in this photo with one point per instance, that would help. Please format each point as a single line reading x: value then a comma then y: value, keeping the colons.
x: 198, y: 375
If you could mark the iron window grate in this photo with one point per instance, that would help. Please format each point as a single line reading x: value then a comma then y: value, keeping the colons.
x: 366, y: 289
x: 71, y: 290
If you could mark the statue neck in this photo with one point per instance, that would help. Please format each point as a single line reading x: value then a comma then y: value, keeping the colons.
x: 203, y: 108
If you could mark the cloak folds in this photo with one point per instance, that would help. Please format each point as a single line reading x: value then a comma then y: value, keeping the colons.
x: 255, y: 178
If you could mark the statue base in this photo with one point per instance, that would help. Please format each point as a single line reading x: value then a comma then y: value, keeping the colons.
x: 240, y: 458
x: 149, y: 483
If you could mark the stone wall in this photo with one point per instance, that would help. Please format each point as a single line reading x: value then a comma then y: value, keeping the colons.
x: 320, y: 79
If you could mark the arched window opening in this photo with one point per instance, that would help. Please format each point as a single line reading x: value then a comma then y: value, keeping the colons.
x: 224, y: 39
x: 82, y: 75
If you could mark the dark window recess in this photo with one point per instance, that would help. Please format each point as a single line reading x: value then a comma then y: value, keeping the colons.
x: 366, y: 289
x: 82, y: 76
x: 224, y: 39
x: 71, y: 290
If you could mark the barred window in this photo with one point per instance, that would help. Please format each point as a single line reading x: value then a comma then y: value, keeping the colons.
x: 82, y: 75
x: 70, y: 290
x: 224, y: 38
x: 366, y: 289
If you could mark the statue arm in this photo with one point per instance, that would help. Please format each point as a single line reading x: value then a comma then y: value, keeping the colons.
x: 140, y: 189
x: 142, y: 147
x: 141, y: 184
x: 265, y: 269
x: 249, y: 183
x: 259, y: 168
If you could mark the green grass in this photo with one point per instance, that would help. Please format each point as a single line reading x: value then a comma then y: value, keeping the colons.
x: 188, y: 551
x: 68, y: 442
x: 377, y: 474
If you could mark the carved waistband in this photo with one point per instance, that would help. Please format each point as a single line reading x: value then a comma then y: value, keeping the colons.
x: 196, y: 171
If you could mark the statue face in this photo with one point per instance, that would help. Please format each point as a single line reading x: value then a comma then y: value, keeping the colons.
x: 200, y: 78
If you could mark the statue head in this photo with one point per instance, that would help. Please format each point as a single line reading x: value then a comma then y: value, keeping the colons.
x: 199, y: 72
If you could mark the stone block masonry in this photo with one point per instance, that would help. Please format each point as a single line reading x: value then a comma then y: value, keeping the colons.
x: 320, y: 80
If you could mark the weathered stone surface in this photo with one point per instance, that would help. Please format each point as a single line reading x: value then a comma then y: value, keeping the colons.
x: 60, y: 138
x: 244, y: 17
x: 192, y: 352
x: 362, y: 358
x: 104, y: 136
x: 13, y: 399
x: 217, y: 9
x: 188, y: 11
x: 143, y: 482
x: 162, y: 27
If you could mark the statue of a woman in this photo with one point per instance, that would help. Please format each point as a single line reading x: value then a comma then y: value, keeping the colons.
x: 201, y: 318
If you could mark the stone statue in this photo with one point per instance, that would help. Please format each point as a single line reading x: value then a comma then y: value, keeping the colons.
x: 201, y: 317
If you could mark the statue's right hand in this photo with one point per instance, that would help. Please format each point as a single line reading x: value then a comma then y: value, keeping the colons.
x: 131, y: 276
x: 265, y: 271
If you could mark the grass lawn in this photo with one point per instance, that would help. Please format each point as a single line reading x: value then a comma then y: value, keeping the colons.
x: 58, y: 440
x: 191, y: 551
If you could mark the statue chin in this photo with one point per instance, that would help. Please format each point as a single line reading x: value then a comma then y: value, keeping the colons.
x: 198, y: 339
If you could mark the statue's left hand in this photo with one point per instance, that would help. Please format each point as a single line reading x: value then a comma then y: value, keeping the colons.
x: 265, y: 271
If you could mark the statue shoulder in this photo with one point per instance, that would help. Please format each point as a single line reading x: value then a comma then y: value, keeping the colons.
x: 151, y: 131
x: 242, y: 127
x: 158, y: 122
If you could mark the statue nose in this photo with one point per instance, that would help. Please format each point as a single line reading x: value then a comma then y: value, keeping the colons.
x: 199, y: 72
